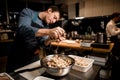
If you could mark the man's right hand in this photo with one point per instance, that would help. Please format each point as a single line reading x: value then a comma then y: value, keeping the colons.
x: 57, y: 34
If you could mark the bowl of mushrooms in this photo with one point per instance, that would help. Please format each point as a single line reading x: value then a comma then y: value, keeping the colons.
x: 57, y: 64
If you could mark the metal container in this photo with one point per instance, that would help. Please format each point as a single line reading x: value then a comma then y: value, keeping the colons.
x: 57, y: 71
x: 100, y: 37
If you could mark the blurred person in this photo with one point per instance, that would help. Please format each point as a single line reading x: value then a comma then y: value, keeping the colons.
x: 32, y: 33
x: 113, y: 33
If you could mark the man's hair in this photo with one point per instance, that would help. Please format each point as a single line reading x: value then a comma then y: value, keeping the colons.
x: 54, y: 8
x: 115, y: 14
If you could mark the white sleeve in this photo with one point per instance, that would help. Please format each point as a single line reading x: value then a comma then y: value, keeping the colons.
x: 113, y: 30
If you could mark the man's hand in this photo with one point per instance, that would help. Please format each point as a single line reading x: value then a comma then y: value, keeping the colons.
x: 57, y: 34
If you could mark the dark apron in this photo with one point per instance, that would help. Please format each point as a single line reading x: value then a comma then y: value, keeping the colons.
x: 116, y: 48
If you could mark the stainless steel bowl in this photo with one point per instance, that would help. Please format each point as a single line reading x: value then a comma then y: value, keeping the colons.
x: 57, y: 71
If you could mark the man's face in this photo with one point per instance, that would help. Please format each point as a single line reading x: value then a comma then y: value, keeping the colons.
x: 52, y: 17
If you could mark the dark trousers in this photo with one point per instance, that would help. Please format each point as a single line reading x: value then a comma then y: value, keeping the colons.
x: 115, y: 61
x: 115, y: 74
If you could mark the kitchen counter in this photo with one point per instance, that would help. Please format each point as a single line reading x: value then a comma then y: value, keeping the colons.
x: 77, y: 46
x: 91, y: 74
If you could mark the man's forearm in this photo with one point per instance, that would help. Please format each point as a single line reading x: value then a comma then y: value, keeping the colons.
x: 42, y: 32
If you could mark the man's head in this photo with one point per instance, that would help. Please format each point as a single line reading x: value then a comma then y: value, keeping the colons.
x: 116, y: 16
x: 52, y: 15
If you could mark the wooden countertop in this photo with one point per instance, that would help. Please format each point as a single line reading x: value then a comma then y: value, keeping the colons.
x: 76, y: 45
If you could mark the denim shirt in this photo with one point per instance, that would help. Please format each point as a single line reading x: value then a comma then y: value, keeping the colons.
x: 28, y: 25
x: 26, y: 43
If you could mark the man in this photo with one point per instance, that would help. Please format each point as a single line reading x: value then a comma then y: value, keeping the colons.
x: 33, y: 32
x: 112, y: 33
x: 111, y: 29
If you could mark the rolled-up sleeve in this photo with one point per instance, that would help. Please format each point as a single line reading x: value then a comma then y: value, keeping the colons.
x: 25, y: 19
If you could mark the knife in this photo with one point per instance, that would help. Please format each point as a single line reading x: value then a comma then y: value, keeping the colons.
x: 28, y: 70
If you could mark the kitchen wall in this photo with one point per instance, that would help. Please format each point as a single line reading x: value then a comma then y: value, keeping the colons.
x: 96, y: 13
x: 87, y: 8
x: 90, y: 8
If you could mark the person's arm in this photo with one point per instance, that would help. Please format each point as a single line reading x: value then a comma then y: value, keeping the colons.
x: 56, y: 34
x: 53, y: 33
x: 113, y: 30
